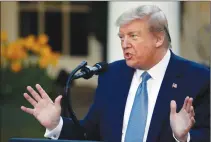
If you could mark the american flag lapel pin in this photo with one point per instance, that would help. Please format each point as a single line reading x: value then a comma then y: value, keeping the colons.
x: 174, y: 85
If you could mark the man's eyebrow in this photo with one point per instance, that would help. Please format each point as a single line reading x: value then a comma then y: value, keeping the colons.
x: 133, y: 32
x: 129, y: 33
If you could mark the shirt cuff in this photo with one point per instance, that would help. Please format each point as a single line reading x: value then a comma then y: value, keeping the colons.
x: 55, y: 133
x: 188, y: 139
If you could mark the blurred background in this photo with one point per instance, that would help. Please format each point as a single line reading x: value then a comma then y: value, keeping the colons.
x: 42, y: 42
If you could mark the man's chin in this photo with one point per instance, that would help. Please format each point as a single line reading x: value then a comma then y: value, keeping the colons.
x: 134, y: 65
x: 131, y: 64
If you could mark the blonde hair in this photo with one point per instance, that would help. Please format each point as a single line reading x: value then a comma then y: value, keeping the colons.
x: 157, y: 19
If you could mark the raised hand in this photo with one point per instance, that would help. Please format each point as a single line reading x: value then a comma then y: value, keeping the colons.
x: 182, y: 121
x: 45, y: 110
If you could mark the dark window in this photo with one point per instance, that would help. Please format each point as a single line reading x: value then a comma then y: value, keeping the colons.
x: 88, y: 3
x: 53, y: 28
x: 78, y: 34
x: 28, y: 2
x: 28, y: 23
x: 98, y: 24
x: 82, y: 22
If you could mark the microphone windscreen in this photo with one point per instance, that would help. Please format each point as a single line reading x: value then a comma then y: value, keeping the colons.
x: 102, y: 66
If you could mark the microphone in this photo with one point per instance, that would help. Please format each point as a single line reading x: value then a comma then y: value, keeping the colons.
x: 87, y: 72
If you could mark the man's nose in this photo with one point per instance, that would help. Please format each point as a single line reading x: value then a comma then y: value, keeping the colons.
x: 125, y: 43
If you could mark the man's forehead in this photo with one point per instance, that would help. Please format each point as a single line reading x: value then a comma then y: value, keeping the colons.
x: 133, y: 26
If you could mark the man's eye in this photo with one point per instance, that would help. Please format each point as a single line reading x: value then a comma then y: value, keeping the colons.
x: 121, y: 38
x: 134, y: 36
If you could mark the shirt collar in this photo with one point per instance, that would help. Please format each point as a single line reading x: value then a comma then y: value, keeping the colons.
x: 159, y: 69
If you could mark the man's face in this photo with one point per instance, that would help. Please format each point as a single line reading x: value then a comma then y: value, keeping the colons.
x: 138, y: 44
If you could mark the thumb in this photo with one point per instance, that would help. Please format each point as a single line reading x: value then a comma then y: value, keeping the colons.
x: 173, y: 107
x: 58, y: 101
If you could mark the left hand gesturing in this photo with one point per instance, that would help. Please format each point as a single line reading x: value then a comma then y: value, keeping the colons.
x: 182, y: 121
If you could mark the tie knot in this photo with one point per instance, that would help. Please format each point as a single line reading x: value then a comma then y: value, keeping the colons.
x: 145, y: 76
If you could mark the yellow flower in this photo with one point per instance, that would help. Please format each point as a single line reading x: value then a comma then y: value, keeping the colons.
x: 3, y: 36
x: 54, y: 58
x: 29, y: 41
x: 16, y: 66
x: 21, y: 42
x: 45, y: 51
x: 36, y: 48
x: 11, y: 52
x: 43, y: 62
x: 42, y: 39
x: 23, y: 54
x: 3, y: 51
x: 15, y: 52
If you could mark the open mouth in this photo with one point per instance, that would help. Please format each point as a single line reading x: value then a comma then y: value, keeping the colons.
x: 128, y: 56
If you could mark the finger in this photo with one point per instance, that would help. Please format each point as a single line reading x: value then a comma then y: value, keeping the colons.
x: 42, y: 92
x: 189, y: 104
x: 34, y: 93
x: 29, y: 99
x: 173, y: 107
x: 193, y: 121
x: 58, y: 101
x: 185, y: 102
x: 192, y: 111
x: 191, y: 124
x: 27, y: 110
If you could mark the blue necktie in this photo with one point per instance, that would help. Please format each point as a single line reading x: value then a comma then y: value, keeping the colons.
x: 138, y: 117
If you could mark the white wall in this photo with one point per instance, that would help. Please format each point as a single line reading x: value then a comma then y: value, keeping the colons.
x: 171, y: 9
x: 9, y: 19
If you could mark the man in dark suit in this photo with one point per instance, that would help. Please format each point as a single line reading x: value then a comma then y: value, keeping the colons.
x: 153, y: 95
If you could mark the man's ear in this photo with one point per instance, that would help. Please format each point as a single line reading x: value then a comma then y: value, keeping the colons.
x: 160, y: 37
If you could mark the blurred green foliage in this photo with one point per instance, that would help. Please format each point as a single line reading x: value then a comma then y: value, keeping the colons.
x: 15, y: 122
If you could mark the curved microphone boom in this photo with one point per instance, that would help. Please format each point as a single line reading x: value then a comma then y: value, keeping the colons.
x: 87, y: 72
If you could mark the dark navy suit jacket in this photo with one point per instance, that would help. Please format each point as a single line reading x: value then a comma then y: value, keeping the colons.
x: 104, y: 120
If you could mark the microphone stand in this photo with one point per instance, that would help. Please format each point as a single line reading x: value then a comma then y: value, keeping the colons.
x: 67, y: 99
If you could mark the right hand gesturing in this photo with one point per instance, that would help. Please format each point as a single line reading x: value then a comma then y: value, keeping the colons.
x: 45, y: 110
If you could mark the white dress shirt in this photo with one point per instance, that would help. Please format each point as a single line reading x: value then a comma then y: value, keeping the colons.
x: 153, y: 86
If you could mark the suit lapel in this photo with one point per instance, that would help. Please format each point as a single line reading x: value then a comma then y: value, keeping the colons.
x: 167, y: 92
x: 119, y: 100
